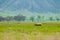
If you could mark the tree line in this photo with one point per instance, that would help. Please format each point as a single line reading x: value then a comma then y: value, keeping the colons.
x: 24, y: 18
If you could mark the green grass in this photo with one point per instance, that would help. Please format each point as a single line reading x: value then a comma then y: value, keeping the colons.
x: 28, y: 31
x: 29, y: 27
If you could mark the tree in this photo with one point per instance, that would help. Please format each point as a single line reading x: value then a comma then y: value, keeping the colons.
x: 51, y: 18
x: 8, y: 18
x: 38, y: 18
x: 57, y: 19
x: 43, y: 18
x: 19, y: 18
x: 32, y: 19
x: 1, y: 18
x: 23, y: 18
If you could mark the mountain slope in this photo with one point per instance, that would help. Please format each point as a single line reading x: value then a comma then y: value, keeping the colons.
x: 40, y: 6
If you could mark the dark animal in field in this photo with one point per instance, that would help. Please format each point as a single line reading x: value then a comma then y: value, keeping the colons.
x: 38, y: 24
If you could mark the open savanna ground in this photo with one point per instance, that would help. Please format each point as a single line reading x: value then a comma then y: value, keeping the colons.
x: 28, y: 31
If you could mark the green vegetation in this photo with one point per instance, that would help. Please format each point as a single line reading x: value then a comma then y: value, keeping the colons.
x: 28, y: 31
x: 28, y: 27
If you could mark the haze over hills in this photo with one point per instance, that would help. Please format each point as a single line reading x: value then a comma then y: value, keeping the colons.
x: 14, y: 7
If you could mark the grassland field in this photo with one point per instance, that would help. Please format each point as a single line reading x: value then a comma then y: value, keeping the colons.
x: 28, y: 31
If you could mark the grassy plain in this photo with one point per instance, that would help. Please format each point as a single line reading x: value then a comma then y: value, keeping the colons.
x: 28, y: 31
